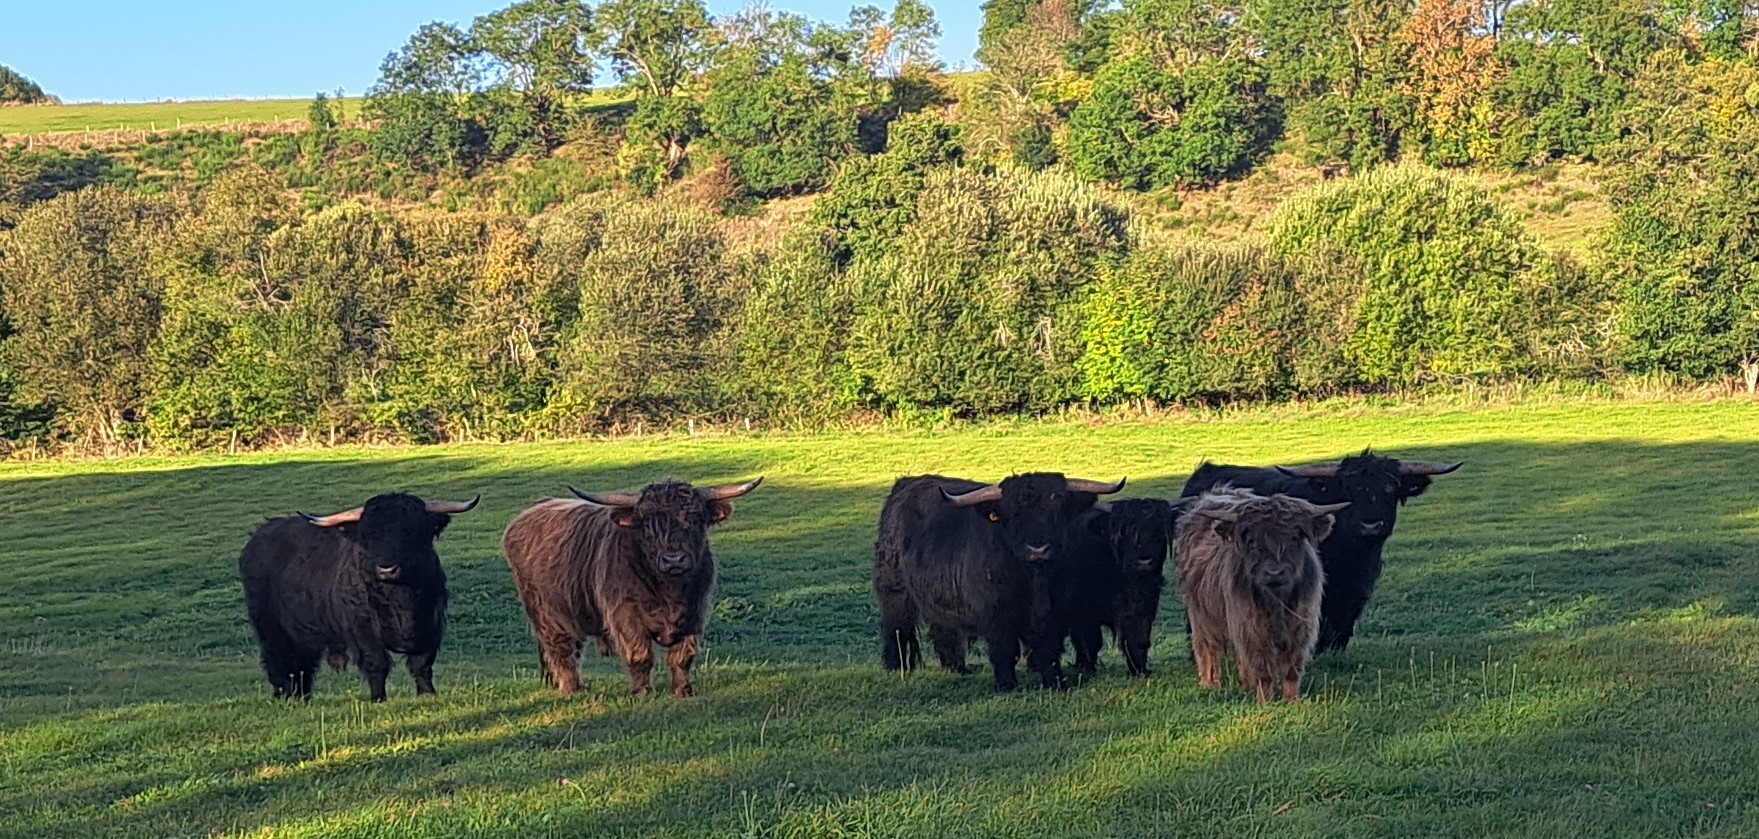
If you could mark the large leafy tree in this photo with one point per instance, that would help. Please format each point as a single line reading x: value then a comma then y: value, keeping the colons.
x: 658, y: 48
x: 1181, y: 101
x: 541, y: 51
x: 16, y: 89
x: 783, y: 100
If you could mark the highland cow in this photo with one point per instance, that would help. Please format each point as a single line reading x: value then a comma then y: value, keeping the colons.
x: 961, y: 556
x: 1114, y: 579
x: 360, y: 584
x: 1250, y: 577
x: 629, y: 569
x: 1375, y: 487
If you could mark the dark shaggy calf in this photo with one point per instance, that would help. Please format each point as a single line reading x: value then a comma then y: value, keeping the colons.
x: 957, y: 554
x: 1250, y: 577
x: 1115, y: 579
x: 629, y: 569
x: 1374, y: 486
x: 358, y: 585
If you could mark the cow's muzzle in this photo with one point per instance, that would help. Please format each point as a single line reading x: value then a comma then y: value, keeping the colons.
x: 388, y: 573
x: 1038, y: 553
x: 1374, y: 528
x: 674, y: 564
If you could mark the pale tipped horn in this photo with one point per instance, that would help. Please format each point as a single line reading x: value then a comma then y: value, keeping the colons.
x: 980, y: 495
x: 453, y: 508
x: 608, y: 499
x: 344, y: 517
x: 1095, y: 487
x: 727, y: 491
x: 1328, y: 509
x: 1316, y: 470
x: 1422, y: 467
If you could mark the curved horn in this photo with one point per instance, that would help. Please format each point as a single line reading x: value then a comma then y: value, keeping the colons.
x: 980, y: 495
x: 608, y: 499
x: 1421, y: 467
x: 726, y: 491
x: 1328, y: 509
x: 453, y: 508
x: 1317, y: 470
x: 344, y: 517
x: 1095, y: 487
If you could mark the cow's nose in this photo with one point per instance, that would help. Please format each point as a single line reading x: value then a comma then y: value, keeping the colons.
x: 1038, y: 553
x: 1373, y: 528
x: 674, y: 561
x: 387, y: 573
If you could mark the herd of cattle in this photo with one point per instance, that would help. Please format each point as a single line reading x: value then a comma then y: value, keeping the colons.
x: 1275, y: 564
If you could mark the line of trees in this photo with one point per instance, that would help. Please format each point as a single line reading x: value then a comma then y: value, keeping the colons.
x: 920, y: 286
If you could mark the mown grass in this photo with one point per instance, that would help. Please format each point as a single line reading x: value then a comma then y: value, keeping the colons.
x: 147, y: 116
x: 1564, y: 644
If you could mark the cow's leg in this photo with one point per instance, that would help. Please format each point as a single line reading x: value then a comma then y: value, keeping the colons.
x: 1337, y: 621
x: 421, y: 668
x: 1085, y: 637
x: 899, y: 649
x: 1206, y: 648
x: 1292, y: 684
x: 1004, y: 654
x: 680, y: 657
x: 1134, y: 637
x: 1045, y: 657
x: 561, y: 661
x: 375, y: 662
x: 636, y: 647
x: 289, y: 666
x: 949, y: 646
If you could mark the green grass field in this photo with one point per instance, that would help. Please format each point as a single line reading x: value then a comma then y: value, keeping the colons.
x: 1564, y: 644
x: 162, y: 116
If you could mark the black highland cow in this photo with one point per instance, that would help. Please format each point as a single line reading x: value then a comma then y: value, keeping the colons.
x: 957, y: 555
x: 359, y: 585
x: 1375, y: 488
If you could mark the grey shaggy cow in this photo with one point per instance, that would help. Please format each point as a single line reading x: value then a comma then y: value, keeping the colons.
x: 1250, y: 577
x: 629, y: 569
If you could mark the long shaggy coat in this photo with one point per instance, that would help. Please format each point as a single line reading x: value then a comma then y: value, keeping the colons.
x: 1250, y: 577
x: 582, y: 575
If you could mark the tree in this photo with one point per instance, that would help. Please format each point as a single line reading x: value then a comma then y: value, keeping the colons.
x: 421, y: 102
x: 79, y: 290
x: 15, y: 89
x: 898, y: 44
x: 541, y: 51
x: 783, y: 100
x: 1181, y: 101
x: 657, y: 47
x: 1453, y: 68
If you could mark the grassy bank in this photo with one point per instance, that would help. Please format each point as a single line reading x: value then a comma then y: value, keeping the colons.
x: 1564, y: 642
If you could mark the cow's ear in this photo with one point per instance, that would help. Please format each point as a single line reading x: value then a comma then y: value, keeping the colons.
x: 719, y: 511
x: 439, y: 522
x: 1100, y: 525
x: 1411, y: 486
x: 623, y: 516
x: 1322, y: 527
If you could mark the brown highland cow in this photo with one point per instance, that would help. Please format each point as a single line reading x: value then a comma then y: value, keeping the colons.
x: 629, y: 569
x: 1250, y: 577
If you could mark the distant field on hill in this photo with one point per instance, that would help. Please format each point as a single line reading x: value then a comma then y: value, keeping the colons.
x: 146, y: 116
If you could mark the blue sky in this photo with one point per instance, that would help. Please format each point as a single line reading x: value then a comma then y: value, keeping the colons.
x: 130, y: 50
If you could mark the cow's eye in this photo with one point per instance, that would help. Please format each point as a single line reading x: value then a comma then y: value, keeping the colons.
x: 995, y: 516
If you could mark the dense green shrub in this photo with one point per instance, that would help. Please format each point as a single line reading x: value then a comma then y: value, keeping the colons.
x: 649, y: 342
x: 793, y: 332
x: 1183, y: 322
x: 1146, y: 127
x: 15, y: 89
x: 1681, y: 250
x: 976, y: 305
x: 83, y: 303
x: 1443, y: 268
x: 873, y: 197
